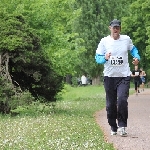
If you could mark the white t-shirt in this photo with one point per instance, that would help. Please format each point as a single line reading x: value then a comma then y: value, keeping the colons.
x: 117, y: 65
x: 83, y: 79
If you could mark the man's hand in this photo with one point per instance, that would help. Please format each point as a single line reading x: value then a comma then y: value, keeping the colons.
x: 135, y: 61
x: 107, y: 56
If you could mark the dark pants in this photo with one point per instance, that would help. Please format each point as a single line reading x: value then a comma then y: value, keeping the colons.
x: 137, y: 84
x: 117, y: 93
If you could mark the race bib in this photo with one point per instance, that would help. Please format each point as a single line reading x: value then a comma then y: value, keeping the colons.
x: 116, y: 61
x: 137, y: 73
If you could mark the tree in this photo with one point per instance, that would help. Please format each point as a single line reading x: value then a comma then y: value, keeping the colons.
x: 53, y: 21
x: 137, y: 26
x: 23, y: 62
x: 40, y: 40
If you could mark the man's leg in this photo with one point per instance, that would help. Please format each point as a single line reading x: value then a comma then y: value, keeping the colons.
x: 135, y: 83
x: 111, y: 102
x: 138, y: 86
x: 123, y: 94
x: 143, y: 85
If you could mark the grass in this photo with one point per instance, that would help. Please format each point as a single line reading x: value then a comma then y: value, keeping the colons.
x: 71, y: 126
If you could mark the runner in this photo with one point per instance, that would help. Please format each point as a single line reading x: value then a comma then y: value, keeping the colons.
x: 142, y: 76
x: 112, y: 51
x: 137, y: 80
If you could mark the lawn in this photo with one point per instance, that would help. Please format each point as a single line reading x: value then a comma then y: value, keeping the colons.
x: 69, y: 126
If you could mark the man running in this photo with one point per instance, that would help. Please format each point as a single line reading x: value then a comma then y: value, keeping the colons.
x: 112, y: 51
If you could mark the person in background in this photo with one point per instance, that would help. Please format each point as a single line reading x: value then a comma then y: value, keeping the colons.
x: 142, y: 76
x: 112, y: 51
x: 83, y: 80
x: 137, y: 80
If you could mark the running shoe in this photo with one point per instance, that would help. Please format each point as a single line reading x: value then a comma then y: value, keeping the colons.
x: 122, y: 131
x: 113, y: 132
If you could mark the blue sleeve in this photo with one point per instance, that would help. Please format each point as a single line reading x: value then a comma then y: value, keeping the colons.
x: 134, y: 53
x: 100, y: 59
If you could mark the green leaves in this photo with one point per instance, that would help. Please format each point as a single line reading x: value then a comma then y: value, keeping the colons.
x: 39, y: 34
x: 15, y: 34
x: 136, y: 25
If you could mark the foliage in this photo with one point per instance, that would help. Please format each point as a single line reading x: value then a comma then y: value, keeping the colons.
x: 52, y: 20
x: 29, y: 67
x: 6, y: 91
x: 136, y: 25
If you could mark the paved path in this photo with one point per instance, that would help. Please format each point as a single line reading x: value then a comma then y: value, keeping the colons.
x: 138, y: 124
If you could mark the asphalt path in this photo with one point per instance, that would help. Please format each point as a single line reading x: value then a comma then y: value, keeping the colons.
x: 138, y: 124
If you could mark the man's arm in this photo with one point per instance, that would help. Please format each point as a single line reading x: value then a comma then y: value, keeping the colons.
x: 100, y: 59
x: 100, y: 55
x: 134, y: 53
x: 133, y: 74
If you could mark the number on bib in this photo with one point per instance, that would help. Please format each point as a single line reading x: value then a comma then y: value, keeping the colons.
x: 116, y: 61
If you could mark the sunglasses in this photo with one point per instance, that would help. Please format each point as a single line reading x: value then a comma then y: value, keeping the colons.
x: 116, y: 27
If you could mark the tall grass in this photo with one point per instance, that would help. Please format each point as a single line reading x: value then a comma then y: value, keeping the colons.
x: 71, y: 126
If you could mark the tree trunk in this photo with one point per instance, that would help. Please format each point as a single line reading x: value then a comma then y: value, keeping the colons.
x: 7, y: 70
x: 8, y: 87
x: 96, y: 81
x: 68, y: 79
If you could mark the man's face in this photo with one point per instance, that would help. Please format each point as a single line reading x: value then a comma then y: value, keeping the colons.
x: 115, y: 31
x: 136, y: 67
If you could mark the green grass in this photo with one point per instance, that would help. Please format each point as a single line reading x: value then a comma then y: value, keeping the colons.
x: 71, y: 126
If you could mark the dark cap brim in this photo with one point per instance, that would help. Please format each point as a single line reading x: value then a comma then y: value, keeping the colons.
x: 115, y: 25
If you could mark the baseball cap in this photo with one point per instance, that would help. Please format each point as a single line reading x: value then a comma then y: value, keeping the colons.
x: 115, y: 22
